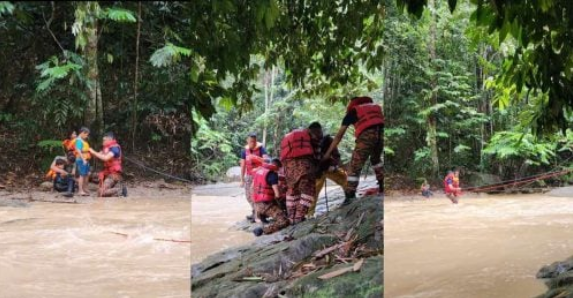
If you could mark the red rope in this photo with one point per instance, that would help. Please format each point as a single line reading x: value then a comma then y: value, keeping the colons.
x: 156, y: 239
x: 518, y: 181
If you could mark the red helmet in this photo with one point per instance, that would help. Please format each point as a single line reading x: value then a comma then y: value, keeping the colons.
x: 356, y: 101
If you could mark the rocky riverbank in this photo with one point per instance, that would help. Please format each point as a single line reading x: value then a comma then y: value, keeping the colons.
x: 558, y: 278
x: 337, y: 254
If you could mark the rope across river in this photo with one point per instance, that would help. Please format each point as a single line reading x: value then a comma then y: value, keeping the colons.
x: 519, y: 181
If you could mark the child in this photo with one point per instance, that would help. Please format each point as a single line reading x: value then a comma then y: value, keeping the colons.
x: 82, y: 160
x: 61, y: 174
x: 426, y: 192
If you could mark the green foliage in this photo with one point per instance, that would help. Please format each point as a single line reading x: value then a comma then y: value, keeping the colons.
x: 542, y: 61
x: 524, y: 146
x: 6, y: 7
x: 118, y: 15
x: 168, y: 55
x: 52, y: 70
x: 53, y: 96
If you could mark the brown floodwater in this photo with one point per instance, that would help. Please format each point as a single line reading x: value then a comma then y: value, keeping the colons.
x: 74, y: 250
x: 486, y: 246
x: 212, y: 220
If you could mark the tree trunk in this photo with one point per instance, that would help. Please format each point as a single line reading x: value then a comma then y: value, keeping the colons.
x: 136, y: 79
x: 93, y: 114
x: 266, y: 84
x: 432, y: 123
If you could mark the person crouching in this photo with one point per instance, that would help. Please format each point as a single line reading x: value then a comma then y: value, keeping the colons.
x: 61, y: 173
x: 265, y: 195
x: 110, y: 177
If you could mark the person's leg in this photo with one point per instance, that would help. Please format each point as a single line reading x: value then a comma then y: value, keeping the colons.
x: 307, y: 189
x: 319, y: 184
x: 376, y: 142
x: 70, y: 184
x: 110, y: 187
x: 59, y: 183
x: 280, y: 222
x: 87, y: 177
x: 82, y: 177
x: 359, y: 157
x: 293, y: 192
x: 249, y: 196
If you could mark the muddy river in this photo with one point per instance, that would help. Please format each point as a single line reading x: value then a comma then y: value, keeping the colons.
x: 486, y: 246
x: 100, y: 248
x: 214, y: 211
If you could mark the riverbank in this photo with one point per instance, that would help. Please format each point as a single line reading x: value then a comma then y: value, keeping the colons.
x: 300, y: 260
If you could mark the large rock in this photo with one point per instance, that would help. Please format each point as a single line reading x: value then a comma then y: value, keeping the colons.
x: 559, y: 279
x: 234, y: 174
x: 479, y: 179
x: 46, y: 185
x: 277, y: 261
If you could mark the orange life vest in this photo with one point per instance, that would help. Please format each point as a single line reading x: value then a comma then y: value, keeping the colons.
x: 253, y: 158
x: 262, y: 191
x: 368, y: 114
x: 69, y: 144
x: 51, y: 175
x: 295, y: 144
x: 112, y: 166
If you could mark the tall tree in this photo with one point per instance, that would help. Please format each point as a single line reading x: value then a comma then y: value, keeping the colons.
x: 432, y: 134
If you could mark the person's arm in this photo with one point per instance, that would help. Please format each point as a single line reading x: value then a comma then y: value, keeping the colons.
x: 335, y: 142
x: 242, y: 156
x: 103, y: 157
x: 54, y: 168
x: 276, y: 190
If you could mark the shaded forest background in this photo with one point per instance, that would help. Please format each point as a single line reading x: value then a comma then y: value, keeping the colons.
x: 482, y: 85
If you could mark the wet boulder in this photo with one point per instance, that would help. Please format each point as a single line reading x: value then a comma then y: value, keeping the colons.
x: 233, y: 174
x: 558, y: 278
x: 46, y: 185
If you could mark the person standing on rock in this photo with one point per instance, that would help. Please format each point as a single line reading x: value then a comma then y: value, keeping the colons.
x: 368, y: 120
x: 265, y: 197
x: 300, y: 153
x: 329, y: 169
x: 110, y: 177
x: 251, y: 157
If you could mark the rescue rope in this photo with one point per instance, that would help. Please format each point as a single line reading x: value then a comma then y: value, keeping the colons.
x: 519, y: 181
x: 156, y: 239
x: 140, y: 164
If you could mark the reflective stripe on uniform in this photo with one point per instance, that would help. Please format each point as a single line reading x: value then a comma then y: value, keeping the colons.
x: 353, y: 178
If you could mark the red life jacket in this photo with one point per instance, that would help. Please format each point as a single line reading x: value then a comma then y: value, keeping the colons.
x: 447, y: 187
x: 358, y: 101
x: 253, y: 158
x: 112, y: 166
x: 262, y: 191
x: 296, y: 144
x: 368, y: 115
